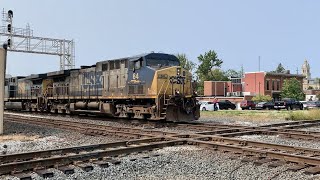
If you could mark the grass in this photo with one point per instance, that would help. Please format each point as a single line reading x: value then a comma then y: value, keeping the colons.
x: 304, y: 115
x: 264, y: 115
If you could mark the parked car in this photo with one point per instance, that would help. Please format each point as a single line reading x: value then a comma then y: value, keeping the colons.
x: 312, y: 105
x: 247, y: 105
x: 288, y: 103
x: 226, y: 104
x: 206, y: 106
x: 265, y: 105
x: 304, y: 104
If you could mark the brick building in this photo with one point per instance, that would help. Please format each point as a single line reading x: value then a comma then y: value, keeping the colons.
x: 252, y: 84
x: 221, y: 88
x: 267, y: 83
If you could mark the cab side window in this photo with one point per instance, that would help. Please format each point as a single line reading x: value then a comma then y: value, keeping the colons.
x: 137, y: 64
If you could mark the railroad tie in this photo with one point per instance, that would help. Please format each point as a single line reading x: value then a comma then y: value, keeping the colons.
x: 313, y: 170
x: 23, y: 176
x: 114, y: 161
x: 262, y: 161
x: 276, y: 164
x: 85, y: 166
x: 67, y: 169
x: 297, y: 167
x: 45, y: 173
x: 102, y: 164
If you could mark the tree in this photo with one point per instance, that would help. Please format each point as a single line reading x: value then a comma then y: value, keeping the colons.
x: 207, y: 62
x: 280, y: 69
x: 233, y: 73
x: 185, y: 62
x: 292, y: 88
x: 218, y: 75
x: 206, y: 71
x: 262, y: 98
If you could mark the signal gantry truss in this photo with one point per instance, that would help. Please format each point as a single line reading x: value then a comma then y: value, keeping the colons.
x: 22, y: 40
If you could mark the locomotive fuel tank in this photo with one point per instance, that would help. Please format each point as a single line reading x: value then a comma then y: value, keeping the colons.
x: 13, y: 105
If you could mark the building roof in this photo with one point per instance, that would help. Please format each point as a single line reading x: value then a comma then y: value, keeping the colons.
x: 285, y: 74
x: 278, y: 74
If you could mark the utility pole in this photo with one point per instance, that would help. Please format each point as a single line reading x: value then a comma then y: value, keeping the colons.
x: 3, y: 60
x: 259, y: 63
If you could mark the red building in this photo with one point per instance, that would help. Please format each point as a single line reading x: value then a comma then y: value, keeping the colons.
x: 223, y: 88
x: 252, y: 84
x: 267, y: 83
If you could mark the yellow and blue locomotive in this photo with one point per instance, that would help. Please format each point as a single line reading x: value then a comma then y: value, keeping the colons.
x: 150, y: 86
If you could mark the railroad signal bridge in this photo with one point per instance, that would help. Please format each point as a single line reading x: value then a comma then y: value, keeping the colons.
x: 23, y: 40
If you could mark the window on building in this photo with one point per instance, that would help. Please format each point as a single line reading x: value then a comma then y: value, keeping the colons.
x: 273, y: 85
x: 268, y: 85
x: 278, y: 85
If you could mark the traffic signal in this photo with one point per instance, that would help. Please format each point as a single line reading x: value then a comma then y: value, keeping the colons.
x: 10, y: 14
x: 9, y: 28
x: 9, y: 42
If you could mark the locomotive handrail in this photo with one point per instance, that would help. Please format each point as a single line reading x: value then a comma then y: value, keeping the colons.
x: 161, y: 87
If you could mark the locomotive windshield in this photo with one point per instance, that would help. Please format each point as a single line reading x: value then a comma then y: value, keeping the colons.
x: 162, y: 62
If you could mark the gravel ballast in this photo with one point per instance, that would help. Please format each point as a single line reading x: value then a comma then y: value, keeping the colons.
x: 179, y: 162
x: 26, y: 138
x: 183, y: 162
x: 282, y: 141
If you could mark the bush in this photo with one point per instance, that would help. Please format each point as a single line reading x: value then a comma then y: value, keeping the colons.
x: 261, y: 98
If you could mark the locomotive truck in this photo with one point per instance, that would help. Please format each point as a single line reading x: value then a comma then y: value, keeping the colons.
x: 150, y: 86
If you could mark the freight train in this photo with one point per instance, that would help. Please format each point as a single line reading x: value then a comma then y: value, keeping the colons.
x: 150, y: 86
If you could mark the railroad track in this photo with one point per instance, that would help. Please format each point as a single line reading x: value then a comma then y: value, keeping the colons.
x: 98, y: 154
x: 287, y: 131
x: 90, y: 128
x: 194, y: 126
x: 219, y: 137
x: 264, y: 152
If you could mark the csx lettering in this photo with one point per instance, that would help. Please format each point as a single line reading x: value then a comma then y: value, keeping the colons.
x: 92, y: 80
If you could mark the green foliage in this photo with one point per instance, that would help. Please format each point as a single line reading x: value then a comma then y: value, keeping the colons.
x: 233, y: 73
x: 200, y: 89
x: 292, y: 88
x: 207, y: 62
x: 262, y: 98
x: 218, y: 75
x: 185, y: 62
x: 280, y: 69
x: 207, y: 69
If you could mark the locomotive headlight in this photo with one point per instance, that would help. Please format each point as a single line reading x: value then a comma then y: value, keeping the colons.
x: 178, y: 71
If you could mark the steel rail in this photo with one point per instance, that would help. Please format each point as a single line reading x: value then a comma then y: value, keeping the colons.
x: 76, y: 149
x: 261, y: 152
x: 90, y: 128
x: 67, y: 159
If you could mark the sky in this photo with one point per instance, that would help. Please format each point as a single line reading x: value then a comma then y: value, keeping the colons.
x: 285, y: 31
